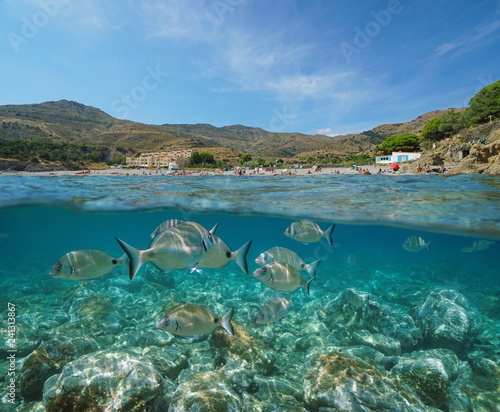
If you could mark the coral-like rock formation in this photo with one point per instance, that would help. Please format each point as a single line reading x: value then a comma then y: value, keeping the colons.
x: 106, y: 381
x: 448, y: 321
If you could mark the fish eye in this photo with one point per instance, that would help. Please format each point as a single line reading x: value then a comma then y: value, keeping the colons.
x: 265, y: 257
x: 264, y: 270
x: 261, y: 316
x: 167, y: 321
x: 59, y: 266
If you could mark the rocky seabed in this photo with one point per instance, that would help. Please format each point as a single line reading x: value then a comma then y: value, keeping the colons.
x: 381, y: 345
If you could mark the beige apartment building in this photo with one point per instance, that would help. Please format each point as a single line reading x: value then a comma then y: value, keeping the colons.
x: 161, y: 159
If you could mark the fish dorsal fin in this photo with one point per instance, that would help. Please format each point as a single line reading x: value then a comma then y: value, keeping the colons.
x: 212, y: 231
x: 164, y: 226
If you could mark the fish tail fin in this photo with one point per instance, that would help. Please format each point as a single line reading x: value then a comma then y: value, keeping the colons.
x: 240, y: 256
x: 328, y: 234
x: 123, y: 261
x: 135, y: 256
x: 311, y: 268
x: 308, y: 284
x: 429, y: 246
x: 226, y: 321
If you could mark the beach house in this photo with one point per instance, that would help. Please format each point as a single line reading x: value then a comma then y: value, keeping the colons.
x: 397, y: 157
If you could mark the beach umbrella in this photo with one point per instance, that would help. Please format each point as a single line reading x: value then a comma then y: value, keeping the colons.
x: 394, y: 166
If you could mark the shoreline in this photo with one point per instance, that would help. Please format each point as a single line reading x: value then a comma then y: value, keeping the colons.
x: 196, y: 172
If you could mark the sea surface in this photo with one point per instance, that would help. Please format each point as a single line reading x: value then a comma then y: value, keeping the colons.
x: 424, y: 324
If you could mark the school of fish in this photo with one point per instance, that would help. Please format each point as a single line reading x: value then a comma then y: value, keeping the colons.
x: 177, y: 244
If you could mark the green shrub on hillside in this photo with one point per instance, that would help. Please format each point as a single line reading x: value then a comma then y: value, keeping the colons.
x: 446, y: 126
x: 49, y: 150
x: 485, y: 103
x: 407, y: 142
x: 431, y: 130
x: 361, y: 160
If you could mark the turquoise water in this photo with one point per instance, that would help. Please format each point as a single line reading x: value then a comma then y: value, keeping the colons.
x: 43, y: 218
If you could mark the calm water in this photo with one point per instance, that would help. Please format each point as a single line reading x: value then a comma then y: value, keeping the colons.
x: 43, y: 218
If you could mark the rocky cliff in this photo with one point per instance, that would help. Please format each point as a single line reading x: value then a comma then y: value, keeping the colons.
x: 473, y: 151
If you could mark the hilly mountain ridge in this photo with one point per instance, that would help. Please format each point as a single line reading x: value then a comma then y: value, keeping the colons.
x: 75, y: 122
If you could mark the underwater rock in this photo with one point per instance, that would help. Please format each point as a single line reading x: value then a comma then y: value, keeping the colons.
x: 428, y: 373
x: 353, y: 310
x: 106, y: 381
x: 97, y: 314
x: 131, y: 337
x: 207, y: 392
x: 491, y: 305
x: 447, y: 321
x: 242, y: 346
x: 201, y: 357
x: 385, y: 344
x: 239, y: 376
x: 305, y: 342
x: 49, y: 359
x: 168, y: 361
x: 342, y: 383
x: 274, y: 389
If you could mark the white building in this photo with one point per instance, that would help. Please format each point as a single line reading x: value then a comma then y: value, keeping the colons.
x: 397, y: 157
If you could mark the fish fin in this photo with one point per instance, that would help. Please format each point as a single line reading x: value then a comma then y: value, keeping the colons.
x: 308, y: 283
x: 226, y: 321
x: 429, y: 245
x: 161, y: 269
x: 195, y: 269
x: 123, y: 261
x: 328, y: 234
x: 212, y: 231
x: 240, y: 256
x: 311, y: 268
x: 191, y: 269
x: 135, y: 256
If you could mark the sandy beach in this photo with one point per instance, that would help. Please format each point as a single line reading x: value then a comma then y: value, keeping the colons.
x: 196, y: 172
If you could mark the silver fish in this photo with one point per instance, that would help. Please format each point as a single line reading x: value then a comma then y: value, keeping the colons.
x: 478, y: 245
x: 192, y: 320
x: 86, y: 264
x: 416, y: 244
x: 284, y: 255
x: 273, y: 311
x: 350, y: 261
x: 180, y: 246
x: 306, y: 231
x: 164, y: 226
x: 282, y: 276
x: 221, y: 254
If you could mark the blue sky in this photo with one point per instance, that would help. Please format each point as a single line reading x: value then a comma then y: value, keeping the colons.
x: 331, y: 67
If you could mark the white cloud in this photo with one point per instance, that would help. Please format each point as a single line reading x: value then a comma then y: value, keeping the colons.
x: 466, y: 42
x: 327, y: 131
x: 314, y: 85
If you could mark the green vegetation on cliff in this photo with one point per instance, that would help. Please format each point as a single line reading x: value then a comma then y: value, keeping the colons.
x: 484, y: 104
x: 46, y: 149
x: 407, y: 142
